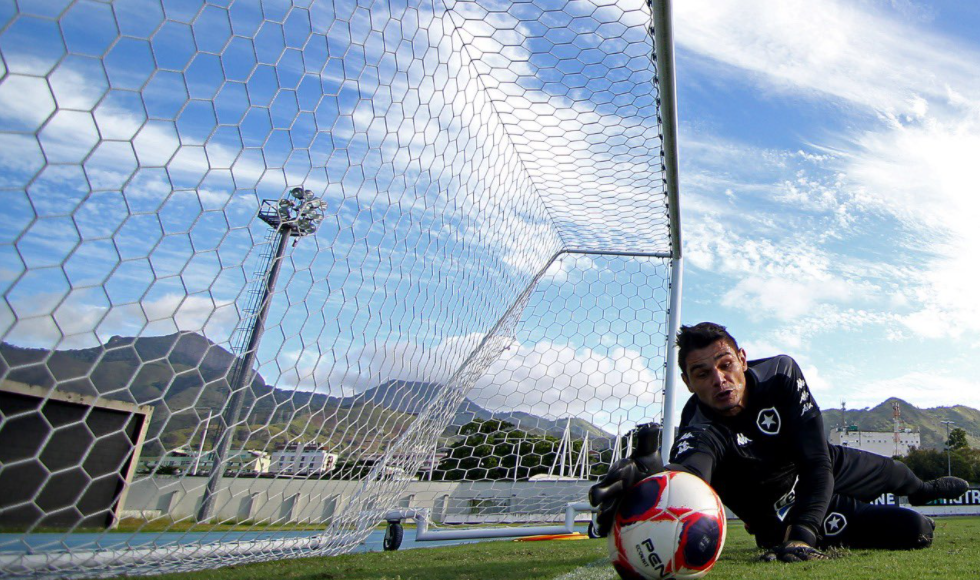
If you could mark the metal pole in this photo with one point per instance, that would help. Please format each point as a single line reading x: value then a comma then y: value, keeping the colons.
x: 663, y: 36
x: 432, y: 462
x: 949, y: 460
x: 627, y: 254
x: 241, y: 380
x: 670, y: 383
x: 200, y: 449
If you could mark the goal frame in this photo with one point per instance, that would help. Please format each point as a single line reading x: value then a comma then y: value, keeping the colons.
x: 98, y: 561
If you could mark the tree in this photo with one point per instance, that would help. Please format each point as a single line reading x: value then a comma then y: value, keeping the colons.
x: 932, y: 463
x: 957, y: 439
x: 495, y: 449
x: 926, y: 463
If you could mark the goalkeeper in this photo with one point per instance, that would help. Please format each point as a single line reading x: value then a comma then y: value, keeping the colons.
x: 753, y: 432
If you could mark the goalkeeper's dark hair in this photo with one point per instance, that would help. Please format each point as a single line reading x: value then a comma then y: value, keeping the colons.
x: 698, y: 336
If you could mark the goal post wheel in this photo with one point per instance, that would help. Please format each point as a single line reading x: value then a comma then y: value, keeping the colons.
x: 393, y: 536
x: 593, y: 530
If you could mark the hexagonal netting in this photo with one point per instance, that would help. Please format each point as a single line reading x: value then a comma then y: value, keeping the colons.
x: 276, y: 272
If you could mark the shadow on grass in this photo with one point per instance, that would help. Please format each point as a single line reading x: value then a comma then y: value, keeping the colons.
x: 500, y: 560
x: 954, y: 555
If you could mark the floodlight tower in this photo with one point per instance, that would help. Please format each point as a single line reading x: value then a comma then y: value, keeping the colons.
x: 289, y: 218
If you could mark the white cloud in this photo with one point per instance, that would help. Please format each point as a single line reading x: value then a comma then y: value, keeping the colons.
x: 815, y: 380
x: 544, y: 378
x: 740, y: 183
x: 80, y: 320
x: 51, y: 320
x: 913, y: 166
x: 25, y: 103
x: 565, y: 265
x: 845, y: 49
x: 197, y: 313
x: 788, y: 299
x: 786, y: 277
x: 556, y: 380
x: 920, y: 388
x: 761, y: 348
x: 361, y: 368
x: 927, y: 177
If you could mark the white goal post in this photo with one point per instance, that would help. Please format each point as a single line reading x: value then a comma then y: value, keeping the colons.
x: 278, y: 272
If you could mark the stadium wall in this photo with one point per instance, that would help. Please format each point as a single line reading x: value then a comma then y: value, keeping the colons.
x: 966, y: 505
x: 315, y: 501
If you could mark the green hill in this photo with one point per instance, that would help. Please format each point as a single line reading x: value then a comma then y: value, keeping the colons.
x: 184, y: 377
x: 926, y: 421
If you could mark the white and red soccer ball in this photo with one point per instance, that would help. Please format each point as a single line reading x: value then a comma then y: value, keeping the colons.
x: 670, y: 525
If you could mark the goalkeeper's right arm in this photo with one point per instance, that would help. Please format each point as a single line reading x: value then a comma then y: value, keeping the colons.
x: 624, y: 474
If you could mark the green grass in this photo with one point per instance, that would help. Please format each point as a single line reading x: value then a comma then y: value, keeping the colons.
x: 484, y: 561
x: 955, y: 555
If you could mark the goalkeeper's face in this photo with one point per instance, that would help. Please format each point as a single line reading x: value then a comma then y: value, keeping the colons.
x: 716, y: 374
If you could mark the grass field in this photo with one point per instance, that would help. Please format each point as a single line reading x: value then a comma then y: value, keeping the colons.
x: 955, y: 555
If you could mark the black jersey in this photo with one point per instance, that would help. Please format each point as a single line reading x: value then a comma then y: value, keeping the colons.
x: 770, y: 464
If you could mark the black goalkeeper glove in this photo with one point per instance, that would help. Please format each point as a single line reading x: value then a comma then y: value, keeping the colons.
x: 798, y: 546
x: 624, y: 474
x: 793, y: 551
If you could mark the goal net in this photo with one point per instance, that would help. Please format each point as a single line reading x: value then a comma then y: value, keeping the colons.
x: 277, y: 272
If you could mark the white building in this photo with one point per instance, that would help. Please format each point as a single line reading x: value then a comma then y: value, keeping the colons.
x: 394, y: 468
x: 887, y: 443
x: 185, y: 461
x: 302, y: 459
x: 429, y: 462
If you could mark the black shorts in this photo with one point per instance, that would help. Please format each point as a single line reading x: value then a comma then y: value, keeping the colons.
x: 859, y: 478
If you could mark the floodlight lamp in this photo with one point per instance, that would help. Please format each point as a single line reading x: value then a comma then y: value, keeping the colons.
x: 301, y: 194
x: 302, y: 214
x: 310, y: 211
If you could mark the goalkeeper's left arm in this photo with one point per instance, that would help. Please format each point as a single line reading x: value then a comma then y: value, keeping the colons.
x: 810, y: 455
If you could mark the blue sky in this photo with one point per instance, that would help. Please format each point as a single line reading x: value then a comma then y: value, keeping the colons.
x: 830, y: 191
x: 828, y: 185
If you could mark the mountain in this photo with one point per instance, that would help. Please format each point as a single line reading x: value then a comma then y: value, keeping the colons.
x: 135, y: 370
x: 556, y: 427
x: 928, y: 422
x: 183, y: 377
x: 413, y: 396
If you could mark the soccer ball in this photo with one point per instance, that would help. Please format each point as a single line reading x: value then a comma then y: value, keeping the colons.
x: 670, y: 525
